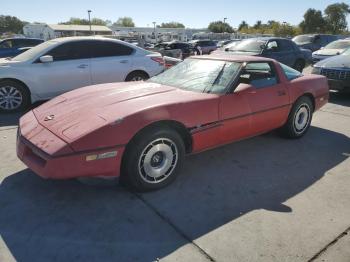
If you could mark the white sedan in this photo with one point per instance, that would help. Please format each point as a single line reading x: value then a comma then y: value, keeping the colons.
x: 64, y: 64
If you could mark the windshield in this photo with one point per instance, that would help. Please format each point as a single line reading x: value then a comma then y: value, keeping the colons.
x: 338, y: 45
x: 230, y: 46
x: 199, y: 75
x: 347, y: 52
x: 290, y: 72
x: 303, y: 39
x: 33, y: 52
x: 249, y: 45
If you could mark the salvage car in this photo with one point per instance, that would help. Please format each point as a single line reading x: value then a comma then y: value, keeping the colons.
x: 337, y: 70
x: 281, y: 49
x: 332, y: 49
x: 141, y: 131
x: 63, y: 64
x: 186, y: 49
x: 314, y: 42
x: 204, y: 47
x: 11, y: 47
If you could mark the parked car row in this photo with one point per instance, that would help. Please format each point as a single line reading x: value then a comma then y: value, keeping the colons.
x: 64, y: 64
x: 11, y: 47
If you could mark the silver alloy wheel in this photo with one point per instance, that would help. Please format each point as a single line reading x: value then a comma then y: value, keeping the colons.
x: 302, y: 118
x: 10, y: 98
x: 158, y: 160
x: 137, y: 78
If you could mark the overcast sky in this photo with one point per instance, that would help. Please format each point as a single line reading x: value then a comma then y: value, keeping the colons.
x: 194, y: 14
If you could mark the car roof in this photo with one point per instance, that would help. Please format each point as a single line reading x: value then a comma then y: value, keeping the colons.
x: 233, y: 58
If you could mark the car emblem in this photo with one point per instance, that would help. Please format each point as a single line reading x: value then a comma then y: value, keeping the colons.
x: 49, y: 117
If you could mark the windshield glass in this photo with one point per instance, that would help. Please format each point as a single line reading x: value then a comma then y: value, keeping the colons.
x: 230, y: 46
x: 33, y: 52
x: 347, y: 52
x: 338, y: 45
x: 199, y: 75
x: 249, y: 45
x: 303, y: 39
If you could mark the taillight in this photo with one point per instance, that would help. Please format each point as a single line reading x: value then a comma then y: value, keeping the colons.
x: 159, y: 60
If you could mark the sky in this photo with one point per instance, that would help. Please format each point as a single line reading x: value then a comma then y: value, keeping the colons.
x: 192, y: 13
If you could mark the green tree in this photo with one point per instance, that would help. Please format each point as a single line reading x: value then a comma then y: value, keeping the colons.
x: 79, y: 21
x: 172, y: 25
x: 124, y: 22
x: 243, y: 25
x: 258, y: 25
x: 335, y: 16
x: 11, y: 24
x: 220, y: 27
x: 313, y: 22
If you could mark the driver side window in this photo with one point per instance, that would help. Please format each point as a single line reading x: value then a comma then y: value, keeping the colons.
x: 272, y: 46
x: 259, y: 75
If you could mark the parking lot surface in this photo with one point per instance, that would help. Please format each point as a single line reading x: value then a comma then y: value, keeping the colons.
x: 262, y: 199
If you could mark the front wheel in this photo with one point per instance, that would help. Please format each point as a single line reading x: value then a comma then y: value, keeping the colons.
x: 136, y: 76
x: 153, y: 159
x: 299, y: 118
x: 14, y: 96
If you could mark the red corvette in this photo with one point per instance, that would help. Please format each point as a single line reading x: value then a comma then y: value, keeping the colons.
x: 141, y: 131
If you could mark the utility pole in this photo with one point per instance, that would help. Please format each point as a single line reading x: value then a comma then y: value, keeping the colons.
x: 225, y: 18
x: 89, y: 11
x: 154, y: 31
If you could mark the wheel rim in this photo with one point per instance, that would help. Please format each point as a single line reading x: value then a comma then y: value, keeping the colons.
x: 302, y: 118
x: 10, y: 98
x: 158, y: 160
x: 137, y: 78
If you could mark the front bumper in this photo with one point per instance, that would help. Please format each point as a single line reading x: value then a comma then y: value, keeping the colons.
x: 65, y: 165
x: 339, y: 85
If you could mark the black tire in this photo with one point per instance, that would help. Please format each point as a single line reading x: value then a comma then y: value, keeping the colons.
x: 136, y: 76
x: 295, y: 127
x: 299, y: 65
x: 19, y: 91
x: 134, y: 171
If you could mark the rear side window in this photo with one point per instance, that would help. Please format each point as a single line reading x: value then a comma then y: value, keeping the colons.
x: 71, y: 51
x: 259, y: 75
x: 290, y: 72
x: 107, y: 49
x: 286, y: 45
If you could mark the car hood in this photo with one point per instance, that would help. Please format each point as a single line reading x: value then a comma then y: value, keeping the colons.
x: 78, y: 112
x: 4, y: 62
x: 328, y: 52
x: 336, y: 61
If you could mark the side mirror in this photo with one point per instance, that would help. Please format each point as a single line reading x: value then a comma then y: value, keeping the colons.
x: 322, y: 47
x: 46, y: 59
x: 242, y: 87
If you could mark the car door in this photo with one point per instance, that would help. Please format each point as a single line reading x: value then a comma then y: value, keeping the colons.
x: 268, y: 97
x: 70, y: 69
x: 286, y: 52
x: 111, y: 61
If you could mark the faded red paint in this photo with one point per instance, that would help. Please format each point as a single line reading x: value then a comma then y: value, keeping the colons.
x: 103, y: 118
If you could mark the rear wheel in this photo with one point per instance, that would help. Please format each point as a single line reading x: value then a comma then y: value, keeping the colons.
x: 299, y: 118
x: 137, y: 76
x: 153, y: 159
x: 14, y: 96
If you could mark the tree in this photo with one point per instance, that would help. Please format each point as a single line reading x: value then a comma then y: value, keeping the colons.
x: 124, y: 22
x: 220, y: 27
x: 172, y: 25
x: 11, y: 24
x: 79, y: 21
x: 335, y: 16
x: 313, y: 22
x: 243, y: 25
x: 258, y: 25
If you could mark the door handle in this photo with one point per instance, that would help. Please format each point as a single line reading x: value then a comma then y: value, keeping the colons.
x: 281, y: 93
x: 124, y: 61
x: 83, y: 66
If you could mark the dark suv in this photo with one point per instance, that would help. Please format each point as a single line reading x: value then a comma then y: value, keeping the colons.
x: 314, y: 42
x: 204, y: 46
x: 11, y: 47
x: 186, y: 48
x: 280, y: 49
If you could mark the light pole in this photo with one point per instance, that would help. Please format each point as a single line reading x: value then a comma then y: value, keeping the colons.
x: 154, y: 31
x: 225, y: 18
x: 89, y: 11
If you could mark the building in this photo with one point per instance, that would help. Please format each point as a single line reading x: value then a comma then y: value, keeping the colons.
x: 154, y: 35
x: 48, y: 31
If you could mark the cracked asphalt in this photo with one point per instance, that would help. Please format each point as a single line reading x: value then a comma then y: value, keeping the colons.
x: 261, y: 199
